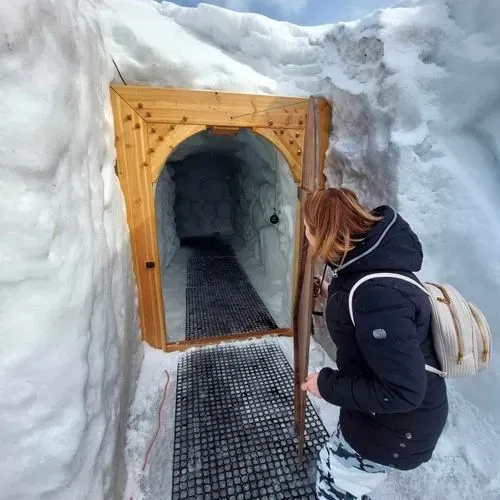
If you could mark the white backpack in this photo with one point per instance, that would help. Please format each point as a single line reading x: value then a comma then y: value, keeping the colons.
x: 461, y: 334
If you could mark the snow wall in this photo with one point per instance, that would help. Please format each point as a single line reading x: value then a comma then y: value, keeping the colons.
x: 205, y: 194
x: 416, y: 120
x: 168, y: 240
x: 231, y: 186
x: 416, y: 117
x: 266, y: 184
x: 68, y: 324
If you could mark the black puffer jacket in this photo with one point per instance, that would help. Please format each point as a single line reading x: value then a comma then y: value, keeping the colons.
x: 392, y: 409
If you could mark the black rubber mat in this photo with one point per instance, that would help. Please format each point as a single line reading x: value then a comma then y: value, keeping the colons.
x: 223, y: 271
x: 213, y: 311
x: 220, y: 300
x: 234, y: 427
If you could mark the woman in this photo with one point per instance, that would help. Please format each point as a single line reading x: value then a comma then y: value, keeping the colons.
x: 392, y: 409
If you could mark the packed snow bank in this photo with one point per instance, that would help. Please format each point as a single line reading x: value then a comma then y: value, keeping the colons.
x: 68, y: 324
x: 158, y: 378
x: 416, y: 114
x: 153, y: 48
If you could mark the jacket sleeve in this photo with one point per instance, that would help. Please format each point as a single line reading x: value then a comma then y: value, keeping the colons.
x: 387, y: 337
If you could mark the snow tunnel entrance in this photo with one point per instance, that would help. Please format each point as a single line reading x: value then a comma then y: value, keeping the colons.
x: 226, y: 269
x: 152, y: 122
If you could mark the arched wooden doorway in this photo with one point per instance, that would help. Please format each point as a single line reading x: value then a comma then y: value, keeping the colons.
x: 151, y: 122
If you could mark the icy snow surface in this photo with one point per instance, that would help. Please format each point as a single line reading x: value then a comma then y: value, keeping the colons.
x: 168, y: 240
x: 416, y: 116
x: 68, y: 323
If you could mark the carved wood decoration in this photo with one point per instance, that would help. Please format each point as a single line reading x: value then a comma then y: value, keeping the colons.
x: 202, y: 107
x: 150, y: 123
x: 163, y: 139
x: 291, y: 146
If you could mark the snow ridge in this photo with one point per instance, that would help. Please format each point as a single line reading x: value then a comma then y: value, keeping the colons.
x: 68, y: 322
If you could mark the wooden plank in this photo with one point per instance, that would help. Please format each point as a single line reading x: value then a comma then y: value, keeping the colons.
x: 303, y: 303
x: 188, y: 344
x: 229, y: 131
x: 299, y: 313
x: 325, y: 128
x: 298, y: 279
x: 135, y: 178
x: 163, y: 139
x: 290, y: 142
x: 203, y: 107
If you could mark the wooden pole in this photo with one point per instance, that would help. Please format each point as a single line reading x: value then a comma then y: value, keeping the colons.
x: 304, y: 290
x: 315, y: 147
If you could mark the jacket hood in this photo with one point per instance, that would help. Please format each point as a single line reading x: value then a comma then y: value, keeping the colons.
x: 390, y: 246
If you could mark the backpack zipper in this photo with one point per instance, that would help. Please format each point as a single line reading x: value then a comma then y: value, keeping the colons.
x: 479, y: 323
x: 446, y: 299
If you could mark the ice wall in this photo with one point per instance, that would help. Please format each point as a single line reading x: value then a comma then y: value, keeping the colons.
x: 205, y: 194
x: 168, y: 241
x: 266, y: 184
x: 68, y: 323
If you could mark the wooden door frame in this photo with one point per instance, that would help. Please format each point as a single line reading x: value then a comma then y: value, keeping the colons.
x: 150, y: 122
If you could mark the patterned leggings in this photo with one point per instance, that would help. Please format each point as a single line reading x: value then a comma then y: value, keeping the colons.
x: 343, y: 474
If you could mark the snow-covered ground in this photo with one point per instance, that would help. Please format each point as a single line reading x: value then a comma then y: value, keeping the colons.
x: 152, y: 481
x: 175, y: 282
x: 416, y: 120
x: 464, y: 465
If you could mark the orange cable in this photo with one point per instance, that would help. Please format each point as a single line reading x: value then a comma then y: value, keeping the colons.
x: 159, y: 424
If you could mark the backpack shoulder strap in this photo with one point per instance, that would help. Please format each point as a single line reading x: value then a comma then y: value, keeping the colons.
x: 379, y: 275
x: 394, y: 276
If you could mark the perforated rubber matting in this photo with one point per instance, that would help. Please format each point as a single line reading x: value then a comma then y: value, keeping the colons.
x: 234, y: 427
x: 222, y: 271
x: 220, y: 300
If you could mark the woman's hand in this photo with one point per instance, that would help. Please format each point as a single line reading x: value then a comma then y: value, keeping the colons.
x: 311, y: 385
x: 324, y: 286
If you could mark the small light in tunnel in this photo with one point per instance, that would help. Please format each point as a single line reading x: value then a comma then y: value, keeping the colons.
x: 274, y: 218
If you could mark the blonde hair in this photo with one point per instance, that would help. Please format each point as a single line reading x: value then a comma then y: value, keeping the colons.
x: 337, y: 221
